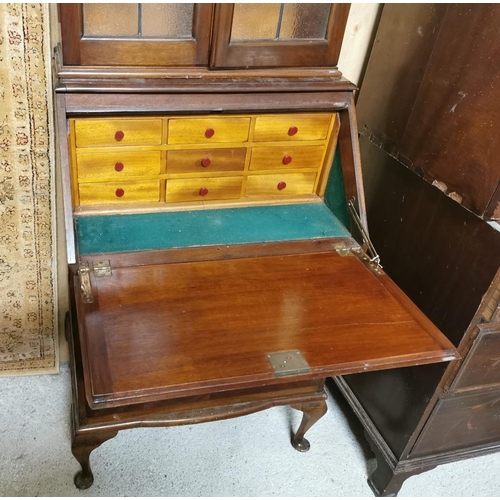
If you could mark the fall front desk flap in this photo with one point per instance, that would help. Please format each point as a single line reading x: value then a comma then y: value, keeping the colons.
x: 161, y: 330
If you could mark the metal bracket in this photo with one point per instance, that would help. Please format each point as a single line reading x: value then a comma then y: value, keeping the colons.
x: 345, y: 250
x: 372, y: 258
x: 288, y: 363
x: 102, y: 268
x: 84, y: 278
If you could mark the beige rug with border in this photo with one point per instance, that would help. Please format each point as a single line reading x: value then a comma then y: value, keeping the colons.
x: 28, y: 301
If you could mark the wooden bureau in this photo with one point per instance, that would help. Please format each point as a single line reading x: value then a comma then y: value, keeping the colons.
x: 213, y: 268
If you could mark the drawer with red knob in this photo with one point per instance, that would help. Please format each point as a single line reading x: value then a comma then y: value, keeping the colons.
x: 275, y: 157
x: 101, y: 193
x: 280, y: 184
x: 292, y: 127
x: 116, y: 165
x: 205, y: 161
x: 211, y: 130
x: 204, y: 189
x: 126, y: 132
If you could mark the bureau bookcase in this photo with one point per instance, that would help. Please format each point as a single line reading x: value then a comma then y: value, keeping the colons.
x: 209, y: 277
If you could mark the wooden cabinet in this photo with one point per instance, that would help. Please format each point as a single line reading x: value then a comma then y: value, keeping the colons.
x: 415, y: 138
x: 209, y: 278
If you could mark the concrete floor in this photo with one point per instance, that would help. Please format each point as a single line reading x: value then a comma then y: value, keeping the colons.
x: 247, y: 456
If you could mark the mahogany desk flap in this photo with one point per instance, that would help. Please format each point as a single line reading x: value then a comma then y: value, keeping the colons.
x: 168, y: 330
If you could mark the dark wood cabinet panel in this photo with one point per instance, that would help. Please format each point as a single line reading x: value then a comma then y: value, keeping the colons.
x: 436, y: 108
x: 276, y: 53
x: 482, y: 366
x: 461, y: 422
x: 428, y: 114
x: 79, y: 49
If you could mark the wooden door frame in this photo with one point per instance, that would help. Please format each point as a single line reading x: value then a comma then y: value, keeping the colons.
x: 289, y: 53
x: 80, y: 51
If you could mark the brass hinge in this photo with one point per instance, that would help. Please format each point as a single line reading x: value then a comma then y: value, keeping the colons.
x: 84, y: 278
x: 100, y: 268
x: 345, y: 250
x: 369, y: 254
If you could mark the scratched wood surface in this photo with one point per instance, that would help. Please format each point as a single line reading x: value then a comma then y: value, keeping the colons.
x: 430, y: 99
x: 177, y: 329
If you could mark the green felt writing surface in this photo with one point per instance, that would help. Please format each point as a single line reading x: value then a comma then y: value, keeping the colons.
x: 136, y: 232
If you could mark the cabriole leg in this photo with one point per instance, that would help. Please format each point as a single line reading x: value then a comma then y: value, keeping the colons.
x: 81, y: 447
x: 312, y: 413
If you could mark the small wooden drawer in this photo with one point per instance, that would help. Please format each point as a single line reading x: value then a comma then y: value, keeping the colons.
x: 203, y: 189
x: 207, y: 130
x: 303, y: 127
x: 117, y: 165
x: 100, y: 193
x: 129, y: 132
x: 204, y: 161
x: 482, y: 365
x: 271, y: 158
x: 280, y: 185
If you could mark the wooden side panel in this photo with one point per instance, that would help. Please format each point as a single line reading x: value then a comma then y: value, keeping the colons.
x: 440, y: 254
x: 443, y: 257
x: 482, y: 365
x: 428, y: 97
x: 405, y: 39
x: 461, y: 422
x: 449, y: 135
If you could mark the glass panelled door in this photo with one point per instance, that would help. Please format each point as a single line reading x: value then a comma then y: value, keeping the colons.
x: 278, y: 34
x: 137, y: 34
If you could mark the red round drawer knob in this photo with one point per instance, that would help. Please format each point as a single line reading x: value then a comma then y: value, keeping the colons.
x: 292, y: 130
x: 203, y: 191
x: 119, y: 135
x: 119, y: 166
x: 287, y: 159
x: 281, y: 185
x: 205, y: 162
x: 209, y: 133
x: 119, y: 192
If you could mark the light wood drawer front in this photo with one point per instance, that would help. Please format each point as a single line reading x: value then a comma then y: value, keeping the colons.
x: 100, y: 193
x: 482, y: 365
x: 280, y: 185
x: 301, y: 127
x: 271, y: 158
x: 117, y: 165
x: 204, y: 161
x: 203, y: 189
x: 92, y: 133
x: 207, y: 130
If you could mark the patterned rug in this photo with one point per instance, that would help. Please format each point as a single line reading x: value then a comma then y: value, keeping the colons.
x: 28, y: 325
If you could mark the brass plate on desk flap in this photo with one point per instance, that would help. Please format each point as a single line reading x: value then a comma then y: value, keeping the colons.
x: 288, y: 363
